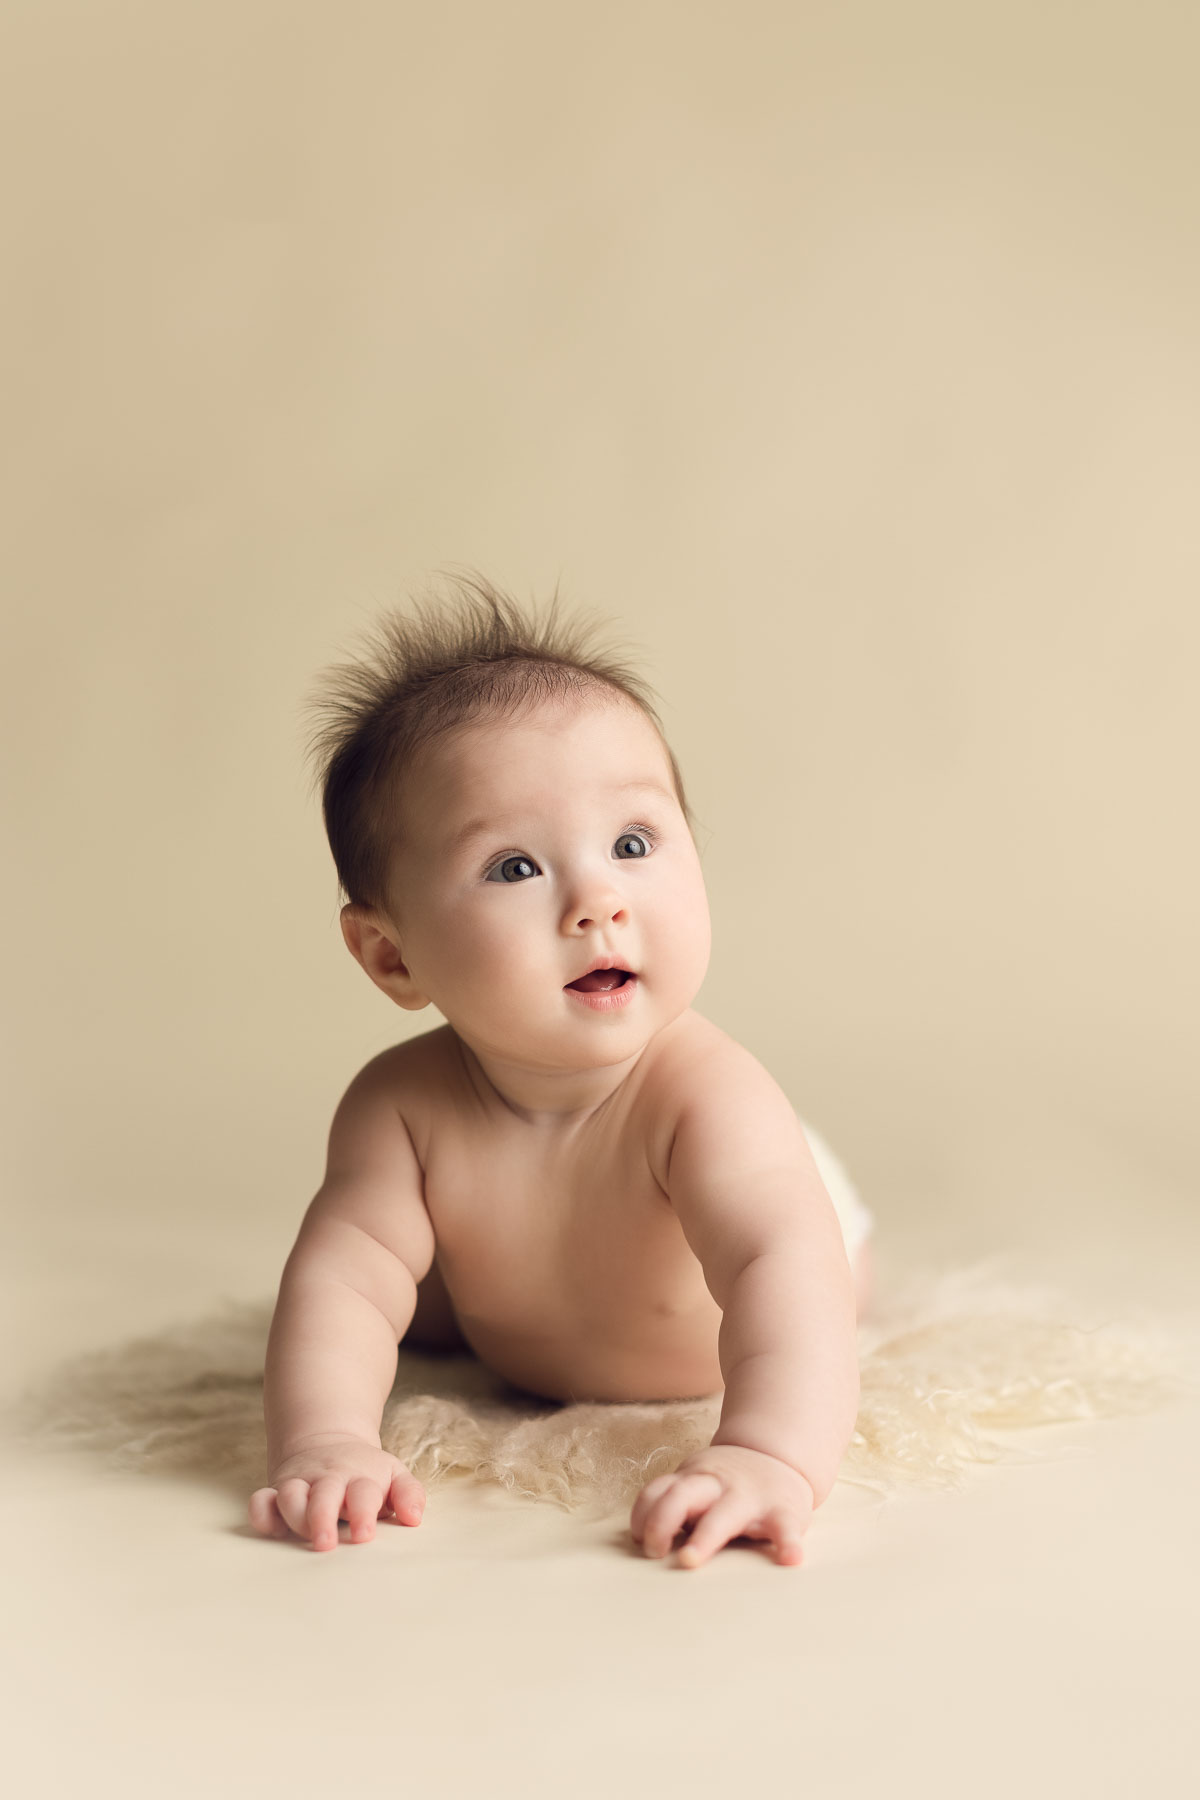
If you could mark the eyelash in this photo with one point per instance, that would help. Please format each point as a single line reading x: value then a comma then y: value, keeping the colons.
x: 651, y: 836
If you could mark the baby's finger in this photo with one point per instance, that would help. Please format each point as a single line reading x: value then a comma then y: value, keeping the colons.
x: 406, y: 1498
x: 725, y: 1519
x: 645, y: 1500
x: 324, y: 1504
x: 291, y: 1497
x: 364, y: 1498
x: 264, y: 1514
x: 783, y: 1528
x: 688, y: 1496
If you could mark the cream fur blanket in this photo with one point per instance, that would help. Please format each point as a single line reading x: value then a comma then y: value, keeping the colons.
x: 946, y: 1360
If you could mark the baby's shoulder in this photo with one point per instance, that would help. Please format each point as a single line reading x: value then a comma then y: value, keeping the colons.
x: 415, y: 1075
x: 424, y: 1057
x: 697, y: 1061
x: 710, y: 1090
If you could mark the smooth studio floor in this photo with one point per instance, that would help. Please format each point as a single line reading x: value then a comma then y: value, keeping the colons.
x: 1035, y: 1633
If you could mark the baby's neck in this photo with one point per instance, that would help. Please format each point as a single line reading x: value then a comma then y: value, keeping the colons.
x: 546, y: 1099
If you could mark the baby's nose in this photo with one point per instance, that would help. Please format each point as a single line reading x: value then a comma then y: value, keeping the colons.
x: 604, y: 915
x: 597, y: 908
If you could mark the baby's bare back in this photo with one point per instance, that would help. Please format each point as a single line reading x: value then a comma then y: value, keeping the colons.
x: 562, y: 1258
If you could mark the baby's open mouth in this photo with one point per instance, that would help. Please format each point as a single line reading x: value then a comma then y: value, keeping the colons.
x: 601, y: 980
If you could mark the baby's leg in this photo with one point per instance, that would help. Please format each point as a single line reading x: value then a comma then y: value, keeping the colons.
x: 854, y: 1216
x: 863, y: 1264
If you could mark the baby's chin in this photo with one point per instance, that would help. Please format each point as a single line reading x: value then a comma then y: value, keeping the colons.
x: 574, y: 1044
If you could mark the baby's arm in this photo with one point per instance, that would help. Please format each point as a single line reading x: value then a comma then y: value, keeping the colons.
x: 347, y: 1296
x: 754, y: 1209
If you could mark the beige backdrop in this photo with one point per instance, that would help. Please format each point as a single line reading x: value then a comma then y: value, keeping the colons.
x: 845, y: 357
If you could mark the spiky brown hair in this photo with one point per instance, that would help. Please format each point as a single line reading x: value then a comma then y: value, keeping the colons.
x: 447, y: 661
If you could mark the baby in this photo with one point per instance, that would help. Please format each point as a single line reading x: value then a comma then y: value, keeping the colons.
x: 577, y: 1176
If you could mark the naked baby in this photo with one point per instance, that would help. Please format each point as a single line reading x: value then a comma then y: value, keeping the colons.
x: 578, y: 1176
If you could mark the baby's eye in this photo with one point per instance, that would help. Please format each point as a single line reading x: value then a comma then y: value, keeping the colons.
x: 512, y: 869
x: 639, y: 843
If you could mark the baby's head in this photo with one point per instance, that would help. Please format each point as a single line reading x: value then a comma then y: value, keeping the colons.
x: 505, y: 813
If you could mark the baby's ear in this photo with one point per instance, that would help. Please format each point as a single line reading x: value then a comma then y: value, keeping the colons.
x: 371, y: 941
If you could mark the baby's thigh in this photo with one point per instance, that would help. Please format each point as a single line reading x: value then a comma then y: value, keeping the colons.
x: 435, y: 1323
x: 862, y: 1262
x: 854, y: 1216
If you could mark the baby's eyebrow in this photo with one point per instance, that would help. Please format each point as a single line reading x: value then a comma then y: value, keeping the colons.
x: 477, y: 828
x: 643, y: 787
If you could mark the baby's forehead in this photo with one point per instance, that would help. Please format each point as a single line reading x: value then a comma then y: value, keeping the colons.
x: 547, y: 755
x: 610, y: 735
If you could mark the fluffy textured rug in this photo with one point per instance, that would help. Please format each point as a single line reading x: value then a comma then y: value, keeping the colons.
x: 946, y: 1359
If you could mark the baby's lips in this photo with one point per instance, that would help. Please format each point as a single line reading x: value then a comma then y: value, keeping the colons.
x: 601, y: 981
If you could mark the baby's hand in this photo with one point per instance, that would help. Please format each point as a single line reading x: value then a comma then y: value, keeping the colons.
x: 336, y: 1478
x: 730, y: 1492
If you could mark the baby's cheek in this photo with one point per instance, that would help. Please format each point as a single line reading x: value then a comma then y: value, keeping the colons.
x: 505, y: 976
x: 694, y: 927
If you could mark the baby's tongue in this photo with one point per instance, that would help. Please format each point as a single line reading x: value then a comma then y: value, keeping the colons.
x: 599, y: 981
